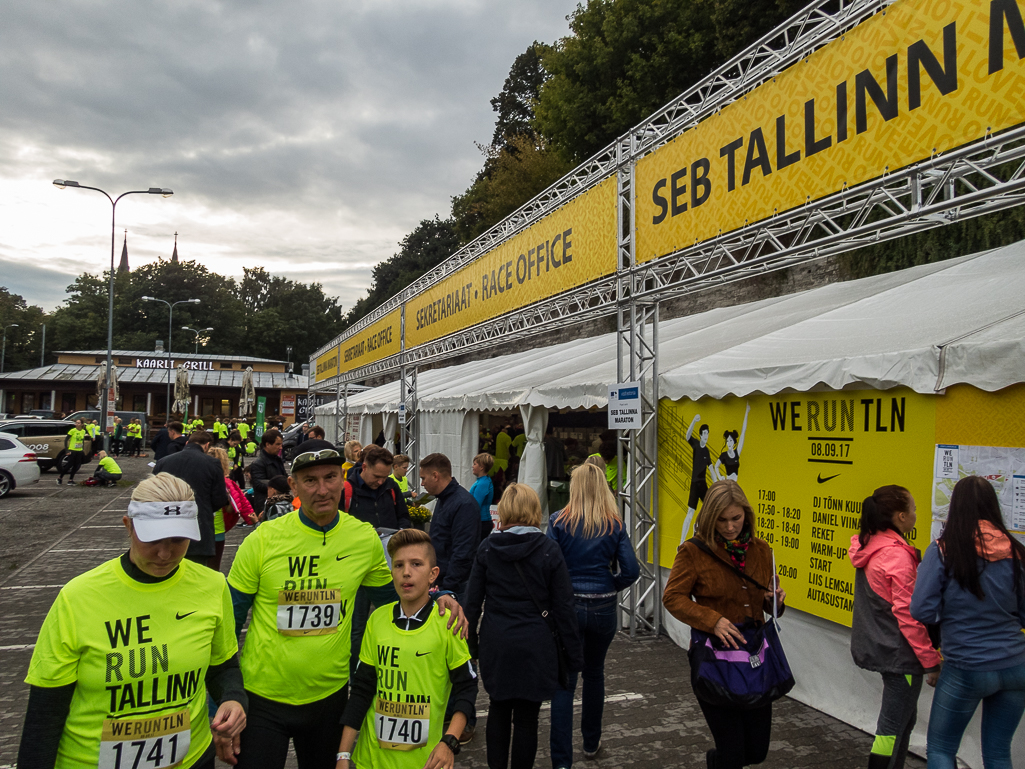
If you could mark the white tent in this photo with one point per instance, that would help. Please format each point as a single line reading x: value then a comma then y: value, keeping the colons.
x: 879, y: 332
x: 926, y: 328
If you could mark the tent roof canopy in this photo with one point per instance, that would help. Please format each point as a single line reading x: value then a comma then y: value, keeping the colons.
x: 880, y: 332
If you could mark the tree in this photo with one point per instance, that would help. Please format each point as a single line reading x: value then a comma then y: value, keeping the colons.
x: 261, y: 318
x: 23, y: 342
x: 523, y: 168
x: 627, y: 58
x: 282, y: 313
x: 515, y: 103
x: 427, y: 246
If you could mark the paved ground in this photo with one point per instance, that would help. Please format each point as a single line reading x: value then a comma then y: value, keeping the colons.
x: 52, y: 533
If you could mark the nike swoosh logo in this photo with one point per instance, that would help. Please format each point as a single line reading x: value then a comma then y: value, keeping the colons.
x: 422, y: 654
x: 187, y: 614
x: 341, y: 557
x: 823, y: 480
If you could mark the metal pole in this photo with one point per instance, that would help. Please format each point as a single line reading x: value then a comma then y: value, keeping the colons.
x: 110, y: 328
x: 170, y: 327
x: 42, y: 350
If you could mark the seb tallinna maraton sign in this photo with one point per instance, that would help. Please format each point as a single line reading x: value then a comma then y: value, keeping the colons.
x: 919, y: 78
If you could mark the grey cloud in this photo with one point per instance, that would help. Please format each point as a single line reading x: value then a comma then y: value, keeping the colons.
x: 333, y: 112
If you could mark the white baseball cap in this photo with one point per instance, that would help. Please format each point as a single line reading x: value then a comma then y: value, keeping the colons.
x: 160, y: 520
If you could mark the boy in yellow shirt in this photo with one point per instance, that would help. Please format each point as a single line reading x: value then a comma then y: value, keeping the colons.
x: 409, y: 667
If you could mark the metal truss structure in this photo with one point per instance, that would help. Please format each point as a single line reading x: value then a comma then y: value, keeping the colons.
x: 409, y: 419
x: 976, y: 179
x: 812, y: 27
x: 637, y: 460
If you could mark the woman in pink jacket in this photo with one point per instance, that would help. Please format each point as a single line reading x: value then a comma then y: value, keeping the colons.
x: 884, y: 636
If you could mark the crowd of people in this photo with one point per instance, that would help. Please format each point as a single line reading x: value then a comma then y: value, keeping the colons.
x: 366, y: 633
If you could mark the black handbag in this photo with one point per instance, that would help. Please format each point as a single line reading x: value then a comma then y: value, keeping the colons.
x: 560, y: 647
x: 753, y: 676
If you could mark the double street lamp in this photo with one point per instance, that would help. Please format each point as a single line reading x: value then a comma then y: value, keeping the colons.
x: 3, y: 351
x: 170, y: 316
x: 61, y: 184
x: 197, y: 332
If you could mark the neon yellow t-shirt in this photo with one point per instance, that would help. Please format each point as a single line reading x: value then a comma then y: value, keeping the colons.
x: 243, y: 430
x: 77, y: 442
x: 304, y: 582
x: 407, y: 718
x: 134, y: 431
x: 137, y: 653
x: 109, y: 465
x: 403, y: 482
x: 502, y: 443
x: 518, y: 443
x: 218, y: 521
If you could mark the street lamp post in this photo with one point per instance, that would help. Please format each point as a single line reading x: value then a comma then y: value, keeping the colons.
x: 288, y: 352
x: 170, y: 315
x: 197, y: 332
x: 61, y: 184
x: 3, y: 351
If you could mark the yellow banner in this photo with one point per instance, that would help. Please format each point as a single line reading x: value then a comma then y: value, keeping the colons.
x: 574, y: 245
x: 919, y: 78
x: 806, y: 461
x: 326, y: 365
x: 375, y: 342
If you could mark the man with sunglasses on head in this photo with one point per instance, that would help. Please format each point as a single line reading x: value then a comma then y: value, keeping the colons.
x: 299, y: 574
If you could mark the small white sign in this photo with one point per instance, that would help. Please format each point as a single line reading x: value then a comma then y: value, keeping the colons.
x: 946, y: 461
x: 402, y: 413
x: 625, y: 406
x: 1018, y: 502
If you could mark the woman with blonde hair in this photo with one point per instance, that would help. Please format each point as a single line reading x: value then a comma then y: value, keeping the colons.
x: 521, y: 575
x: 352, y: 451
x: 714, y: 586
x: 601, y: 562
x: 226, y: 518
x: 84, y: 708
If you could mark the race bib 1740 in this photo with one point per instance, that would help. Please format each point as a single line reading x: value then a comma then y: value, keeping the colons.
x: 402, y: 725
x: 309, y: 612
x: 154, y: 742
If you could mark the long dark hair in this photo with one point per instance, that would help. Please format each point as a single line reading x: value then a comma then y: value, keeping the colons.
x: 877, y: 511
x: 974, y: 500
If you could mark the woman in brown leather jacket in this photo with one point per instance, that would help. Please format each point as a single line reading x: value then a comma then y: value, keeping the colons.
x: 721, y: 601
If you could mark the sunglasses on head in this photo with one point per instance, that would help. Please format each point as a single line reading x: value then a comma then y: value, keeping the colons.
x: 316, y: 456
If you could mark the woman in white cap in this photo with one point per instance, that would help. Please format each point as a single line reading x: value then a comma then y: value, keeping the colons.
x: 128, y: 651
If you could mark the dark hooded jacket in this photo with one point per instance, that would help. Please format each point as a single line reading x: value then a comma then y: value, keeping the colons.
x: 517, y: 653
x: 383, y: 507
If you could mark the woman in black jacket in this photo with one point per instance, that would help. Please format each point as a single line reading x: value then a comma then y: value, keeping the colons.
x: 516, y: 570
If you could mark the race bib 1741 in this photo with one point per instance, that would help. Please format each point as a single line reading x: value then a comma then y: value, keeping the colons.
x: 402, y: 725
x: 153, y: 742
x: 309, y: 612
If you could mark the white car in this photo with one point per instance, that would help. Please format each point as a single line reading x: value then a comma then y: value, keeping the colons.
x: 18, y: 465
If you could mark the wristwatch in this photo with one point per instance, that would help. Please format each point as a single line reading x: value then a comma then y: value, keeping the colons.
x: 453, y: 743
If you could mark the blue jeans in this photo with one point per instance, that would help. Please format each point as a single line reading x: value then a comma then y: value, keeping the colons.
x: 597, y: 621
x: 958, y: 693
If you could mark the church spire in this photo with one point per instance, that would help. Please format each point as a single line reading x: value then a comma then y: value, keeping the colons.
x: 174, y: 256
x: 123, y: 267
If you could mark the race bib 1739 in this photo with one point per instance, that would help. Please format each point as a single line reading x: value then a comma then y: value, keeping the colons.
x: 309, y: 612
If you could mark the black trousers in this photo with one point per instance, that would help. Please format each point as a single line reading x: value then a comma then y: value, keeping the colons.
x: 741, y: 736
x: 503, y: 715
x: 314, y: 730
x: 72, y: 464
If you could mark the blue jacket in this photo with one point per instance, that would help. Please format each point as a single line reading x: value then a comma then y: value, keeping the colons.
x: 455, y: 534
x: 604, y: 564
x: 975, y: 634
x: 483, y: 491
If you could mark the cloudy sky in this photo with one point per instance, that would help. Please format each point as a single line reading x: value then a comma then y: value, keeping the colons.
x: 306, y: 136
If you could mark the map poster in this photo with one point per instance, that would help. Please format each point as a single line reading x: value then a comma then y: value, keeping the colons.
x: 805, y: 461
x: 1002, y: 466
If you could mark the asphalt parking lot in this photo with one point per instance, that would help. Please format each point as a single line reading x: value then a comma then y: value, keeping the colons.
x: 52, y: 533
